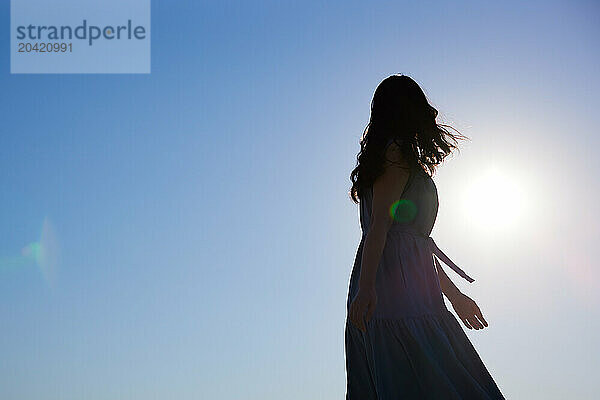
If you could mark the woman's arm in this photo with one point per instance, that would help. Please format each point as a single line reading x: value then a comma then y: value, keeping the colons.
x: 448, y: 287
x: 386, y: 190
x: 466, y: 309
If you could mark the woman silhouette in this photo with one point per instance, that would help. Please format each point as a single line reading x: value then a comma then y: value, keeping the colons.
x: 401, y: 341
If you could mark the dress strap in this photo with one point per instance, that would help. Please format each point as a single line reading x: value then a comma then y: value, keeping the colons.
x: 440, y: 254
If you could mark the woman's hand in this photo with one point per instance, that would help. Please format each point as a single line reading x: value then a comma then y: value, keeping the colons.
x: 364, y: 303
x: 468, y: 312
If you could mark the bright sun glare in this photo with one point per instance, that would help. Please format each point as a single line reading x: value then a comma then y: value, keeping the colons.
x: 495, y: 200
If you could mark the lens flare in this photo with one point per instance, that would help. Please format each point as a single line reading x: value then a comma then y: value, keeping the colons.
x: 43, y: 253
x: 403, y: 210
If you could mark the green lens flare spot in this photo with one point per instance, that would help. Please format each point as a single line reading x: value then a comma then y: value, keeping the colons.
x: 403, y: 210
x: 33, y: 251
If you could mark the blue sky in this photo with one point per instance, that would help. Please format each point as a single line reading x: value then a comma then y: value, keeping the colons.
x: 206, y: 236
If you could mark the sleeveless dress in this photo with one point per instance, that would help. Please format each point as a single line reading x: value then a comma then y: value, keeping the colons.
x: 413, y: 347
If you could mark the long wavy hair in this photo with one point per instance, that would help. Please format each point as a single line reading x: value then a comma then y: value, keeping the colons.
x: 400, y: 112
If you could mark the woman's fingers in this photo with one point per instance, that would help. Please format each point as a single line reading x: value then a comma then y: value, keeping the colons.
x: 475, y: 323
x: 470, y: 314
x: 476, y: 318
x: 483, y: 321
x: 480, y: 316
x: 466, y: 322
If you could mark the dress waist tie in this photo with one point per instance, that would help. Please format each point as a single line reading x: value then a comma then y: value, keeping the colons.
x: 440, y: 254
x: 435, y: 250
